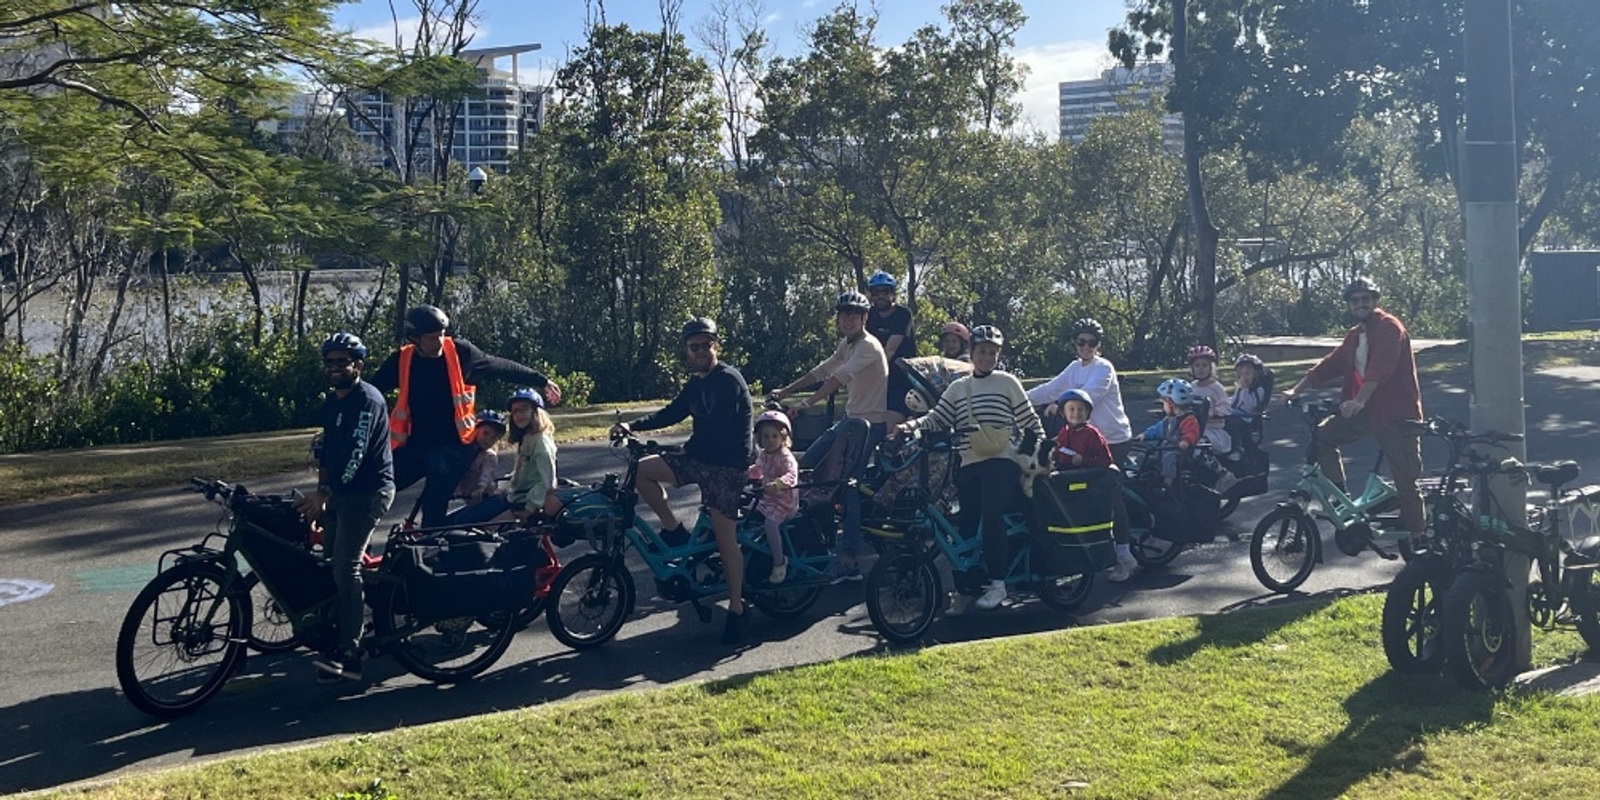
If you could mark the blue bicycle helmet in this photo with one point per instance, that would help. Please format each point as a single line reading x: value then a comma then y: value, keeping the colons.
x: 1078, y: 395
x: 527, y: 394
x: 489, y: 416
x: 1178, y: 390
x: 348, y: 342
x: 881, y: 280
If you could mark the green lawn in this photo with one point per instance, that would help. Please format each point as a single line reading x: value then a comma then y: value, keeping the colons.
x: 1294, y: 701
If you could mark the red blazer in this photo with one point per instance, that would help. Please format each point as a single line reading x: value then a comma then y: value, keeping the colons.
x: 1390, y: 362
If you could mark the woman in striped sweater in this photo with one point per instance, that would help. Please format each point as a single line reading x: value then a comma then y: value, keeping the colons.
x: 992, y: 401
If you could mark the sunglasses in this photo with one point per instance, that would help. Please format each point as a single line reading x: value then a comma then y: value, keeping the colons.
x: 701, y: 347
x: 1087, y: 342
x: 337, y: 363
x: 1362, y: 299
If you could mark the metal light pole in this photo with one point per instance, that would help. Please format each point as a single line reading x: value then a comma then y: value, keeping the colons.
x: 1494, y: 292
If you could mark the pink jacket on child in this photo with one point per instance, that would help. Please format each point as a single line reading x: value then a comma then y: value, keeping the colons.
x: 782, y: 468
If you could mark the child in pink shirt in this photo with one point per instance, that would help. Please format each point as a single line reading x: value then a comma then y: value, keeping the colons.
x: 778, y: 472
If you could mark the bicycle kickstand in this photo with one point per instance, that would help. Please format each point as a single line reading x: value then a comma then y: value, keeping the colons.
x: 701, y: 611
x: 1382, y: 553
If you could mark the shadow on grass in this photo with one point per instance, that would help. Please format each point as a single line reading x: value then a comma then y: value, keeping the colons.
x: 1388, y: 719
x: 1226, y: 629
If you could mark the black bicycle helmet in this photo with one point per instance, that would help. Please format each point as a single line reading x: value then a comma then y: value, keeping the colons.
x: 345, y: 341
x: 1362, y: 283
x: 988, y: 333
x: 699, y: 326
x: 424, y: 320
x: 1088, y: 325
x: 852, y: 302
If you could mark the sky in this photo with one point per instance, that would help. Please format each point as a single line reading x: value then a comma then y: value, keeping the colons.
x: 1062, y: 40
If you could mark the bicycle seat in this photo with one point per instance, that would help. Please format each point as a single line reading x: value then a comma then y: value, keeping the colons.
x: 1558, y: 473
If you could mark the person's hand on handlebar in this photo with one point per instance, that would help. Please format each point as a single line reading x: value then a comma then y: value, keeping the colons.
x: 312, y: 505
x: 620, y: 431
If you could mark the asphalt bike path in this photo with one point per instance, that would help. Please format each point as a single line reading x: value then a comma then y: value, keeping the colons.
x: 69, y: 569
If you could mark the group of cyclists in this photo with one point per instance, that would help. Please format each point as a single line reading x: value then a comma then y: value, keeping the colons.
x: 433, y: 430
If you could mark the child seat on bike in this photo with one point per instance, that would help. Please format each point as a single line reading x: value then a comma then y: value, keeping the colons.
x: 1072, y: 521
x: 1184, y: 511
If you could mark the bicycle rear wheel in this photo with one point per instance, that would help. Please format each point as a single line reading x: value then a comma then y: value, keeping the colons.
x: 1067, y: 593
x: 441, y: 650
x: 181, y: 639
x: 778, y: 602
x: 1478, y: 630
x: 1581, y: 601
x: 1411, y: 614
x: 1149, y: 549
x: 1283, y: 549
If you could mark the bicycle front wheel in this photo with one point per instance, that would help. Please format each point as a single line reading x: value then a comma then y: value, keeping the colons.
x: 1283, y: 549
x: 1411, y: 614
x: 181, y: 639
x: 589, y: 601
x: 271, y: 631
x: 1478, y: 629
x: 903, y: 595
x: 440, y: 650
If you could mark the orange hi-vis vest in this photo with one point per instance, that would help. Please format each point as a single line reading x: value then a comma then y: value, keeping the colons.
x: 462, y: 397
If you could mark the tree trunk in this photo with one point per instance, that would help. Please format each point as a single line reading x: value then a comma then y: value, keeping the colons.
x: 1206, y: 234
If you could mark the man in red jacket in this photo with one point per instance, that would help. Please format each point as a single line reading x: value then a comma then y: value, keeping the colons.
x: 1380, y: 393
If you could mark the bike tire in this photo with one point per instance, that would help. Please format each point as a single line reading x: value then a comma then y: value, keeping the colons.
x: 271, y: 630
x: 191, y: 653
x: 1068, y: 596
x: 777, y: 602
x: 1581, y: 602
x: 1478, y: 631
x: 904, y: 592
x: 1229, y: 506
x: 1149, y: 550
x: 1412, y: 608
x: 1285, y: 537
x: 589, y: 601
x: 442, y: 651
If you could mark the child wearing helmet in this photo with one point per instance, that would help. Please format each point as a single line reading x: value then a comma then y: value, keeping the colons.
x: 1250, y: 387
x: 953, y: 339
x: 778, y: 472
x: 1080, y: 444
x: 1203, y: 377
x: 1178, y: 428
x: 481, y: 480
x: 533, y: 477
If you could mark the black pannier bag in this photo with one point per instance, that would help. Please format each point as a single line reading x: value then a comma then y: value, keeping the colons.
x: 1072, y: 513
x: 466, y: 573
x: 298, y: 579
x: 278, y: 516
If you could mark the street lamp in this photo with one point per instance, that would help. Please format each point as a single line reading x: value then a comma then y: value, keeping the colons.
x: 476, y: 179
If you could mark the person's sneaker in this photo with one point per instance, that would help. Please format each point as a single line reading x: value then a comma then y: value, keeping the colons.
x: 958, y: 604
x: 992, y: 597
x: 1226, y: 482
x: 778, y: 573
x: 675, y: 538
x: 326, y: 678
x: 1123, y: 570
x: 338, y: 668
x: 839, y: 572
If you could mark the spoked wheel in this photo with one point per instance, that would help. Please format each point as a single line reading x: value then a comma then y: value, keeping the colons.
x: 903, y: 595
x: 1581, y: 602
x: 1148, y: 549
x: 1283, y: 549
x: 1066, y: 594
x: 182, y: 638
x: 441, y: 650
x: 1412, y: 608
x: 270, y: 628
x: 778, y: 602
x: 1478, y: 631
x: 589, y: 601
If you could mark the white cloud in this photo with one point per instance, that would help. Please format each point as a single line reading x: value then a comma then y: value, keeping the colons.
x: 406, y: 27
x: 1049, y: 65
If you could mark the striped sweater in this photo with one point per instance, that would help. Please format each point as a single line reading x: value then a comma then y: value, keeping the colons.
x: 997, y: 399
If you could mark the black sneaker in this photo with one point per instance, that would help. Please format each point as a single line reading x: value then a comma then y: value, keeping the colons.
x: 675, y: 538
x: 733, y: 628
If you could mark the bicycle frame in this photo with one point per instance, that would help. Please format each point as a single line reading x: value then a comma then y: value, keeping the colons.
x: 1339, y: 508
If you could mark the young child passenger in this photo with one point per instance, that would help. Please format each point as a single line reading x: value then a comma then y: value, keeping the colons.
x: 1249, y: 391
x: 1080, y: 444
x: 1203, y: 374
x: 480, y: 483
x: 1178, y: 427
x: 533, y: 478
x: 778, y: 472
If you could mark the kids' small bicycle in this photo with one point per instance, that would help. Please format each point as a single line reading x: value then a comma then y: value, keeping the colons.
x: 1287, y: 544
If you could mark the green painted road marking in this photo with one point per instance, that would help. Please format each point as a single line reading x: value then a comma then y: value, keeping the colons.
x: 129, y: 578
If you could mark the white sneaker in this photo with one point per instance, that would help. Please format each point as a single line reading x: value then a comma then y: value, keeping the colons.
x: 992, y: 597
x: 1123, y: 570
x: 958, y: 604
x: 779, y: 572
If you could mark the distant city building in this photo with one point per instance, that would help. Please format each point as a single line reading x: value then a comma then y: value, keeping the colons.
x: 489, y: 129
x: 303, y: 109
x: 1117, y: 91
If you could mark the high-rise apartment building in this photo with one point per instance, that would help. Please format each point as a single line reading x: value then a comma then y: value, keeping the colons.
x: 489, y: 129
x: 1117, y: 91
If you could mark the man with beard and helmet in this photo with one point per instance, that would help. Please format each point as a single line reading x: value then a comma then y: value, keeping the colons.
x: 355, y: 486
x: 431, y: 425
x: 1380, y: 393
x: 891, y: 324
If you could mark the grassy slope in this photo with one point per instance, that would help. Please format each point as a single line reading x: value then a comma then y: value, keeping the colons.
x: 1289, y: 702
